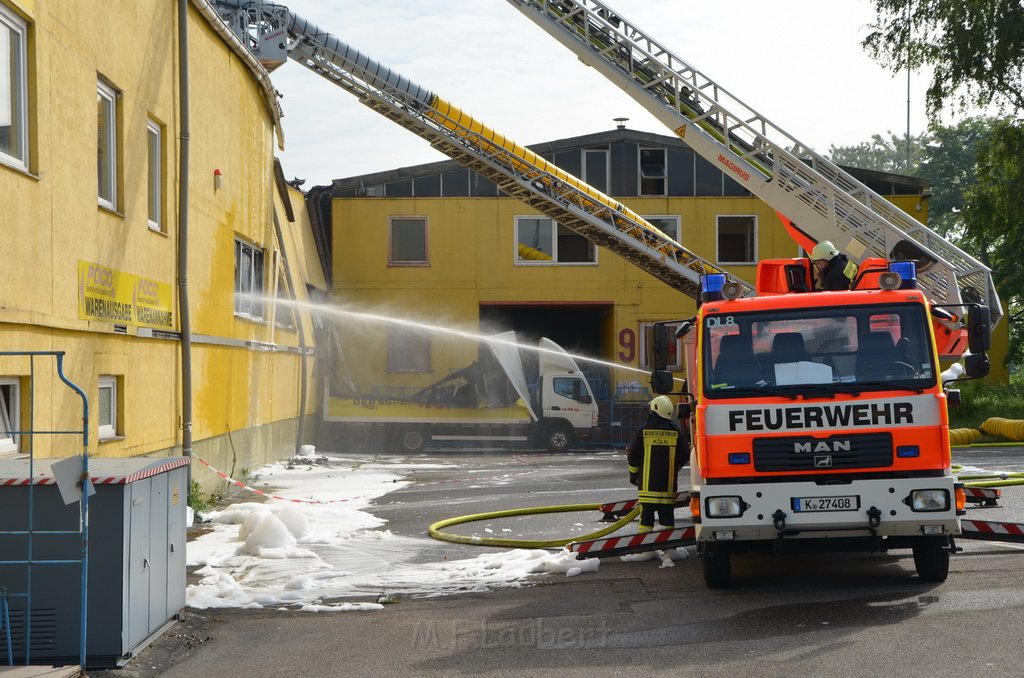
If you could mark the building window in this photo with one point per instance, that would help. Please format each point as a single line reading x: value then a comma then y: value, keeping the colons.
x: 737, y: 235
x: 106, y: 413
x: 408, y: 351
x: 667, y: 225
x: 595, y: 168
x: 154, y: 137
x: 9, y: 415
x: 407, y: 244
x: 647, y: 347
x: 106, y: 154
x: 248, y: 280
x: 284, y: 309
x: 540, y: 240
x: 652, y: 171
x: 13, y: 90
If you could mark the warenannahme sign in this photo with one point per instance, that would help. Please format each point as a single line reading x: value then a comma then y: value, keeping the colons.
x: 107, y: 294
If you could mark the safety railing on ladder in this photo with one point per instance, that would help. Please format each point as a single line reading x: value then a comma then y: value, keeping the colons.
x: 28, y: 536
x: 819, y: 198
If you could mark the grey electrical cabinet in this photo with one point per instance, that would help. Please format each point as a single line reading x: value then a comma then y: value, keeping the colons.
x: 136, y: 558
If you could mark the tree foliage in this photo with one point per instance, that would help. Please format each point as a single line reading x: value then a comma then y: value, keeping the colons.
x: 976, y: 51
x: 884, y: 154
x: 975, y: 47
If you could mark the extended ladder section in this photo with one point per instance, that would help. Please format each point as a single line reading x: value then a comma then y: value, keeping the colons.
x: 267, y: 28
x: 825, y: 202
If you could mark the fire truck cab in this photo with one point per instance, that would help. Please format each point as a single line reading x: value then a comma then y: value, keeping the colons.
x: 818, y: 419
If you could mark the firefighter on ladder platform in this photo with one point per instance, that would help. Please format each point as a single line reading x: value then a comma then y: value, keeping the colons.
x: 654, y: 458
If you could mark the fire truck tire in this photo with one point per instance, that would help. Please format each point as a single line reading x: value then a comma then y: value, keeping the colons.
x: 411, y: 440
x: 558, y: 437
x: 931, y: 559
x: 717, y: 564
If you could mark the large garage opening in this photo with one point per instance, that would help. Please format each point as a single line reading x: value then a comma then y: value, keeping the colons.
x: 581, y: 329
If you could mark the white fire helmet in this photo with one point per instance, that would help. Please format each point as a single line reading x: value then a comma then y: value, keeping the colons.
x: 662, y: 406
x: 824, y: 250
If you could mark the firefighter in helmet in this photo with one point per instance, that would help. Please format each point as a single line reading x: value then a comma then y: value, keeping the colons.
x: 832, y: 270
x: 654, y: 457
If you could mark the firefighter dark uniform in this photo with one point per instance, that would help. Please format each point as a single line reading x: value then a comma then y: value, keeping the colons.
x: 834, y: 271
x: 654, y: 458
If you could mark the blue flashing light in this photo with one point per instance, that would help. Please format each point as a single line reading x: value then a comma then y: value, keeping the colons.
x: 908, y: 273
x: 907, y: 451
x: 711, y: 286
x: 739, y: 457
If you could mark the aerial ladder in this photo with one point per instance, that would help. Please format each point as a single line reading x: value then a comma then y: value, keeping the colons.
x: 815, y: 198
x: 274, y: 34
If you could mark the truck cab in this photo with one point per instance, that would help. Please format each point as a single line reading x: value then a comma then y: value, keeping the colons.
x: 819, y: 422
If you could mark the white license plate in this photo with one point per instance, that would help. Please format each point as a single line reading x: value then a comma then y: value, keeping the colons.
x: 847, y: 503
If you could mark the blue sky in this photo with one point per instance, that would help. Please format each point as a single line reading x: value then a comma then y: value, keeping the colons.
x: 798, y: 62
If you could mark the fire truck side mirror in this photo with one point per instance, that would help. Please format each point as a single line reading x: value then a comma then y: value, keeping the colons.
x: 979, y: 329
x: 660, y: 347
x: 976, y: 365
x: 661, y: 382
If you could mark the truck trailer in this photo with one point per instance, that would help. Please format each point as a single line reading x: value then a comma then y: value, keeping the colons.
x: 488, y: 402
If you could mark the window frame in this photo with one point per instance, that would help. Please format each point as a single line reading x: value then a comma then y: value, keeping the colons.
x: 10, y: 414
x: 640, y: 172
x: 250, y: 309
x: 588, y: 178
x: 155, y: 200
x: 675, y: 218
x: 16, y: 80
x: 555, y: 231
x: 400, y: 344
x: 107, y: 145
x: 392, y: 261
x: 109, y: 430
x: 753, y: 240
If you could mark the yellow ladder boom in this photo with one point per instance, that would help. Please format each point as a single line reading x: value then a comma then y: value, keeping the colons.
x: 272, y: 32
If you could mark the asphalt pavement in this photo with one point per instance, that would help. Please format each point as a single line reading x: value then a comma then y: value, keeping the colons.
x: 834, y: 614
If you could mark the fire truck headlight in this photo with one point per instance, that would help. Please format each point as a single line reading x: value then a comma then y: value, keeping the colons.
x: 929, y: 500
x: 723, y: 507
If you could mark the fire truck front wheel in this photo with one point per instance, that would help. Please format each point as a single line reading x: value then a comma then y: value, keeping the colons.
x: 931, y: 558
x: 717, y: 561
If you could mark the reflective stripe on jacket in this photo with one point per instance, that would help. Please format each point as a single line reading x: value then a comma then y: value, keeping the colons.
x: 654, y: 454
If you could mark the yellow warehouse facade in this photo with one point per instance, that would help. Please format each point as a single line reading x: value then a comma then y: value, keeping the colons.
x: 441, y: 245
x: 96, y: 119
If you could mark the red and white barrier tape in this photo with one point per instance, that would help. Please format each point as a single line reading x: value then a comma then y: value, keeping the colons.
x: 632, y: 540
x: 993, y: 528
x: 238, y: 483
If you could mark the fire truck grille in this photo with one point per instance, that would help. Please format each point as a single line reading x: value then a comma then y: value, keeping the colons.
x: 857, y: 451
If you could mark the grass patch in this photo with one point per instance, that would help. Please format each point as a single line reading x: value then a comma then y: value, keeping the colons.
x: 981, y: 401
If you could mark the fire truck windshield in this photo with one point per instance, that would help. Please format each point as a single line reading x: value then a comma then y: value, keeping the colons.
x: 828, y: 350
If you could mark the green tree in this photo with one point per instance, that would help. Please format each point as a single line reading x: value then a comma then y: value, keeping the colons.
x: 882, y: 154
x: 948, y: 160
x: 976, y: 48
x: 976, y: 51
x: 994, y: 209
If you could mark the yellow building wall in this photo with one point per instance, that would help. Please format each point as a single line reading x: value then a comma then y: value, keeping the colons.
x: 472, y: 260
x: 246, y: 374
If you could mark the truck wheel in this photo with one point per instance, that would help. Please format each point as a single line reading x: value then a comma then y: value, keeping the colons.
x: 558, y: 438
x: 412, y: 440
x: 931, y: 559
x: 717, y: 565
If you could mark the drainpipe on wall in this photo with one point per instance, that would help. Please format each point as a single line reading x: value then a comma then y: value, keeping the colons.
x: 183, y: 313
x: 303, y: 379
